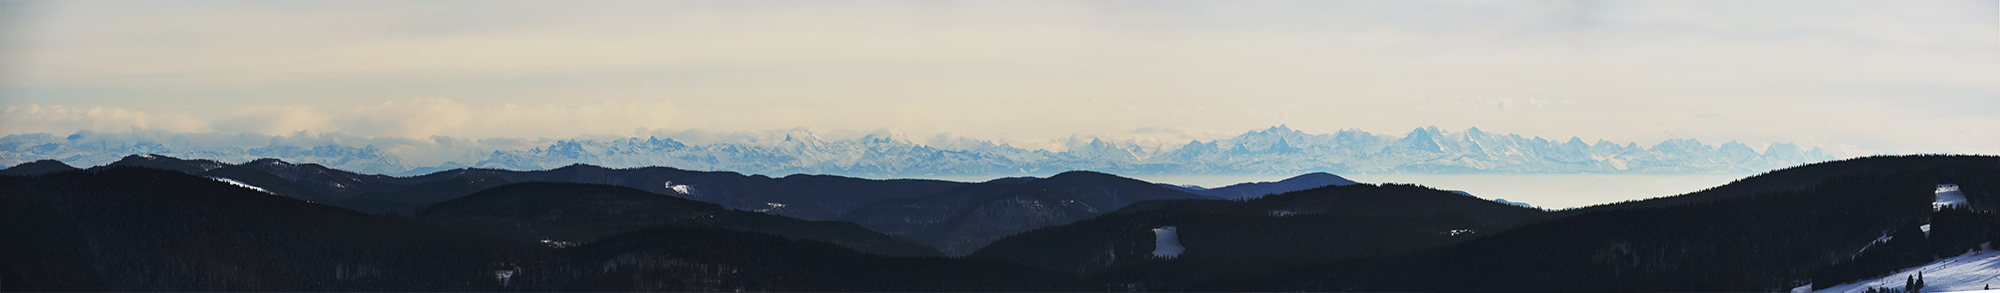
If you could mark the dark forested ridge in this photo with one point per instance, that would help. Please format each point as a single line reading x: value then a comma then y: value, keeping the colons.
x: 1224, y: 237
x: 811, y: 197
x: 153, y: 223
x: 141, y: 229
x: 960, y: 220
x: 696, y: 259
x: 37, y: 167
x: 1765, y: 241
x: 577, y: 212
x: 1805, y: 176
x: 1257, y: 189
x: 137, y: 229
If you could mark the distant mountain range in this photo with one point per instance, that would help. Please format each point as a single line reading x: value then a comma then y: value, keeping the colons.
x: 1277, y: 150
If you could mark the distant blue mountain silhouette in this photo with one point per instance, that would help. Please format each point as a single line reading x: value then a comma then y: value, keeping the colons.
x: 1273, y: 151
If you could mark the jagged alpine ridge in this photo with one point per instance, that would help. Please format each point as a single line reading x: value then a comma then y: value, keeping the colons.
x: 1277, y: 150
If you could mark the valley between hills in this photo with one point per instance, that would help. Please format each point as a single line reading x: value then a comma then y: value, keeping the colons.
x: 159, y: 223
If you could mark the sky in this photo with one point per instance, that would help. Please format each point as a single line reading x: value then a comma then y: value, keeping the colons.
x: 1853, y: 77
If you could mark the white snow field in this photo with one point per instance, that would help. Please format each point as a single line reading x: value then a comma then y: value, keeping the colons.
x: 1972, y: 271
x: 683, y: 189
x: 1885, y: 238
x: 240, y: 184
x: 1167, y: 242
x: 1948, y: 196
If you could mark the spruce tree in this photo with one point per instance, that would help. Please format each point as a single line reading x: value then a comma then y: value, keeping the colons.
x: 1920, y: 282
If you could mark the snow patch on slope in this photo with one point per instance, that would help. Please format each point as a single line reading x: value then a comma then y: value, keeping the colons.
x: 240, y: 184
x: 1884, y: 239
x: 1948, y: 196
x: 1167, y: 242
x: 1972, y: 271
x: 683, y: 189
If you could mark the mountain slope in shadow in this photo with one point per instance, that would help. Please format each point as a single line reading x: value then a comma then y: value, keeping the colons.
x: 138, y: 229
x: 1763, y: 241
x: 960, y: 220
x: 1249, y: 190
x: 142, y: 229
x: 812, y: 197
x: 577, y: 212
x: 37, y: 168
x: 1232, y: 237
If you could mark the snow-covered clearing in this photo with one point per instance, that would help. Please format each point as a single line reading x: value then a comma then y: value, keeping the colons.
x: 1885, y: 238
x: 1948, y: 196
x: 1972, y: 271
x: 1167, y: 242
x: 683, y: 189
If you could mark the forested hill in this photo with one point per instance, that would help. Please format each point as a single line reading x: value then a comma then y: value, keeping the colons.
x: 162, y: 224
x: 1763, y: 241
x: 140, y: 229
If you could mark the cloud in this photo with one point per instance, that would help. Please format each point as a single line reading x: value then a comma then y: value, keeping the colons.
x: 276, y: 119
x: 433, y: 117
x: 65, y: 119
x: 415, y: 118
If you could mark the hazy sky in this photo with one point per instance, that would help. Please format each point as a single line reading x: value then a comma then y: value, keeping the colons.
x: 1852, y: 76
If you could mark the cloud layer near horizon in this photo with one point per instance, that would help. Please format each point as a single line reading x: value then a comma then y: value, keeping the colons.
x: 1891, y: 77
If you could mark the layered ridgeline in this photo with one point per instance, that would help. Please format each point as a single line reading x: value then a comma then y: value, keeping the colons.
x: 811, y: 197
x: 1216, y: 238
x: 954, y: 217
x: 158, y: 223
x: 960, y: 220
x: 1849, y: 225
x: 1838, y: 226
x: 1277, y: 150
x: 142, y: 229
x: 155, y: 223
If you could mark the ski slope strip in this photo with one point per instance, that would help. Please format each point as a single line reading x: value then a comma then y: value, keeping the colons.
x: 241, y: 184
x: 1972, y: 271
x: 1948, y: 196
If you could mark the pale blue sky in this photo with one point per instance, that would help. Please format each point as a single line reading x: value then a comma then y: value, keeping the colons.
x: 1850, y: 76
